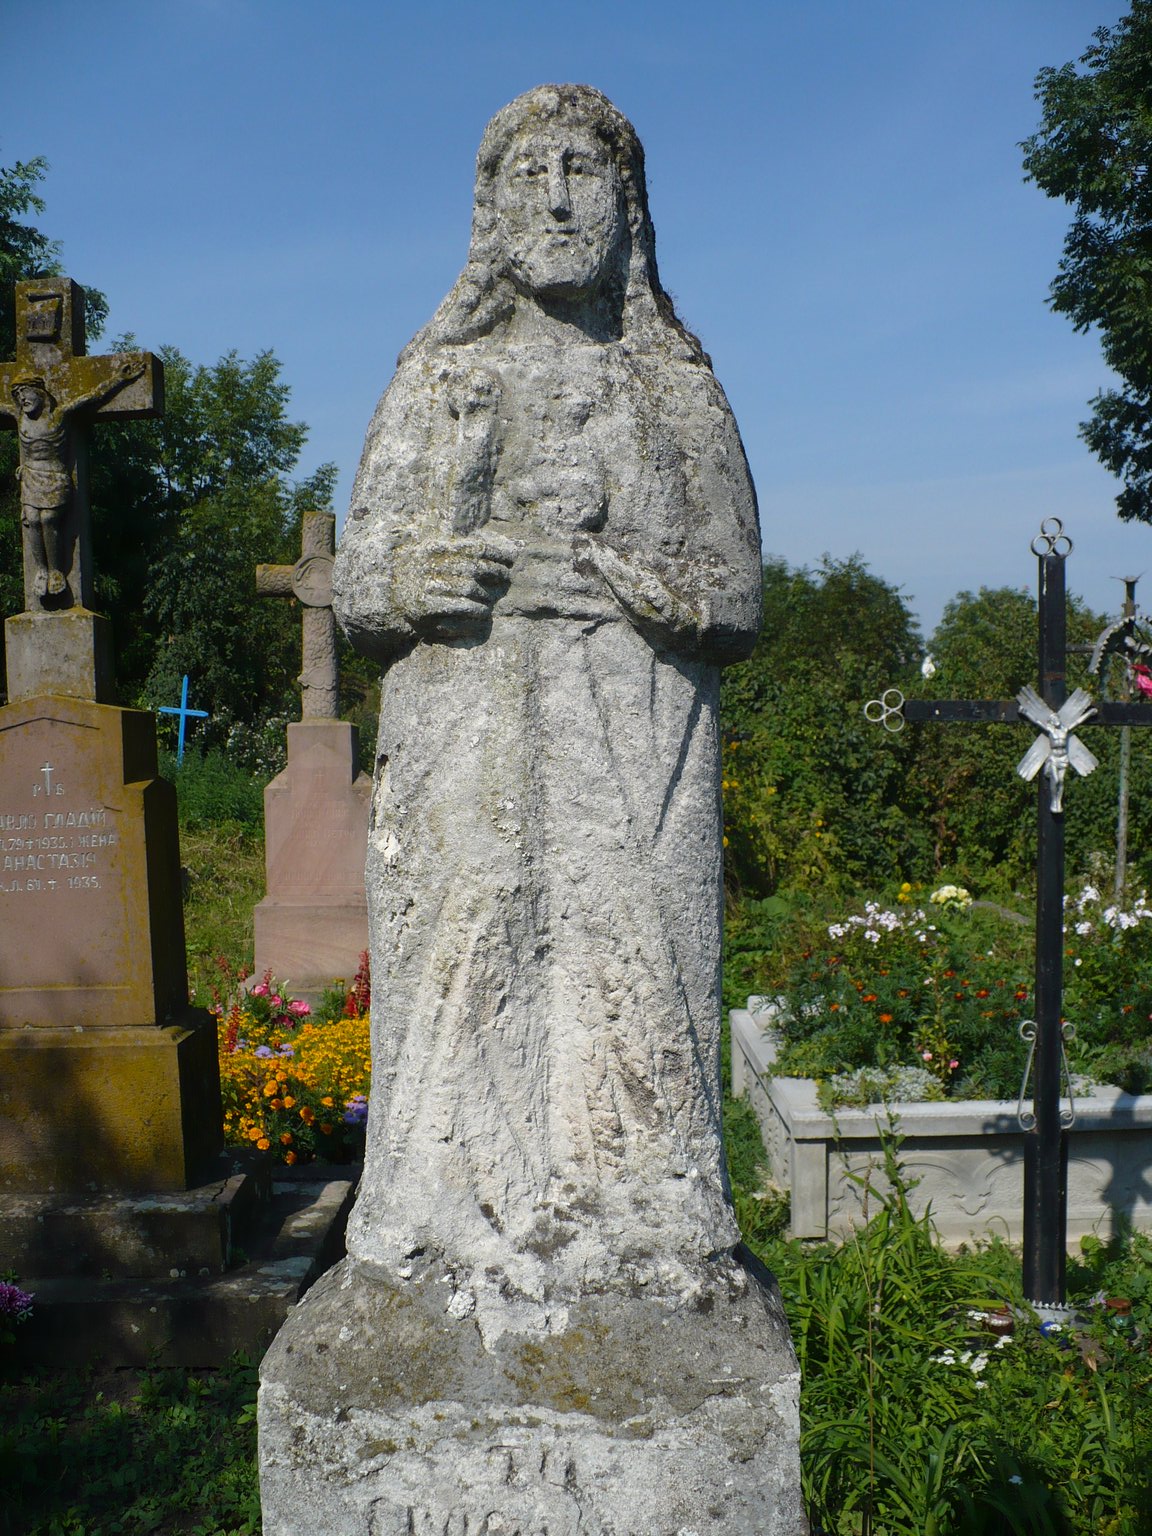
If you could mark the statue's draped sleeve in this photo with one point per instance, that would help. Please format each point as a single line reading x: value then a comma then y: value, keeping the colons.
x: 390, y: 510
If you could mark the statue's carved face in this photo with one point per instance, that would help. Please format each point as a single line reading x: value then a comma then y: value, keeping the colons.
x: 30, y: 399
x: 559, y: 208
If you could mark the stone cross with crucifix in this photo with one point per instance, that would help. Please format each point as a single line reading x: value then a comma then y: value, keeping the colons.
x: 1058, y: 716
x: 47, y: 392
x: 310, y: 580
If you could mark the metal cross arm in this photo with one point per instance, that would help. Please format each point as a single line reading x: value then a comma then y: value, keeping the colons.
x: 1057, y: 715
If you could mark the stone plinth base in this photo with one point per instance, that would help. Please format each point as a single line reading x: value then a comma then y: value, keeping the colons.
x: 185, y: 1280
x: 309, y: 945
x: 68, y: 654
x: 312, y: 926
x: 128, y: 1110
x: 382, y: 1414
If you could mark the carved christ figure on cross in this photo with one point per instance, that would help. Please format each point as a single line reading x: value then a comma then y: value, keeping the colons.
x: 45, y: 471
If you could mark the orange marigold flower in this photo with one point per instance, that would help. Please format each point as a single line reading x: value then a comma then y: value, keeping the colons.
x: 983, y: 992
x: 263, y: 1144
x: 289, y: 1157
x: 328, y: 1101
x: 270, y: 1088
x: 326, y: 1128
x: 885, y: 1018
x: 869, y: 997
x: 289, y: 1101
x: 307, y: 1114
x: 286, y: 1138
x: 833, y: 1007
x: 255, y: 1133
x: 276, y: 1104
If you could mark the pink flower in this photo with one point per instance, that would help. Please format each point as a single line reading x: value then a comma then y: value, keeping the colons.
x: 927, y: 1055
x: 299, y: 1006
x: 275, y: 999
x: 953, y: 1064
x: 260, y: 989
x: 1142, y: 678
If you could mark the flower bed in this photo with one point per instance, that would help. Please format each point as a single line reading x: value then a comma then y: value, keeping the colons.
x: 933, y: 997
x: 967, y: 1154
x: 293, y: 1087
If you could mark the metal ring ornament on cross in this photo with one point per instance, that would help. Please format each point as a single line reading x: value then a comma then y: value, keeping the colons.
x: 887, y: 708
x: 1052, y: 540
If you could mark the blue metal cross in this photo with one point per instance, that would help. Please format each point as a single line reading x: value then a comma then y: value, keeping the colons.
x: 184, y: 712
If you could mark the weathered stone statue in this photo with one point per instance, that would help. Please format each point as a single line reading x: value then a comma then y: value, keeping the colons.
x: 552, y: 550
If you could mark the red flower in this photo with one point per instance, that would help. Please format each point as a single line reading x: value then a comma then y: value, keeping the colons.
x: 869, y: 997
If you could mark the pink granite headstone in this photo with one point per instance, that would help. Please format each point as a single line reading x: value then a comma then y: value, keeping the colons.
x: 312, y: 926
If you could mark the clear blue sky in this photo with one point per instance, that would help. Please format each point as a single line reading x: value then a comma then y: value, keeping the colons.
x: 838, y: 200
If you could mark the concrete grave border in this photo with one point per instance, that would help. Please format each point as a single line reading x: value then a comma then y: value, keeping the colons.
x: 967, y: 1154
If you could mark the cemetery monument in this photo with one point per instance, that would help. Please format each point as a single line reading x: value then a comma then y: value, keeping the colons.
x: 545, y: 1322
x: 94, y: 1017
x: 312, y: 926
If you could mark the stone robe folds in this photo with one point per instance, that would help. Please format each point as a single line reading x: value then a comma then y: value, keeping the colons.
x: 544, y: 861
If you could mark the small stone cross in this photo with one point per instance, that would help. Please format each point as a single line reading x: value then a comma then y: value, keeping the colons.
x: 310, y: 580
x: 42, y: 393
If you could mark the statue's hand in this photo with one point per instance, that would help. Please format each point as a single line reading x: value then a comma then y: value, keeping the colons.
x: 440, y: 585
x: 644, y: 596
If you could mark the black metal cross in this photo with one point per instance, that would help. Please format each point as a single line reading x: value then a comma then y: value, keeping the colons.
x: 1048, y: 759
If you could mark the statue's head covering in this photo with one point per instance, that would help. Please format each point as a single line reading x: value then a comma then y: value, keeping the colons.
x: 484, y: 295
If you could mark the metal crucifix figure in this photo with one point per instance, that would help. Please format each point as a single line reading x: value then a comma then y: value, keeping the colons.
x: 1049, y: 758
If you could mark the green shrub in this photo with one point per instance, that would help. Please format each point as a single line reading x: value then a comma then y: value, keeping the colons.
x: 212, y: 788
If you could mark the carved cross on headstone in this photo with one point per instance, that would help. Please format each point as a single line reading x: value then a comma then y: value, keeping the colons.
x: 310, y: 580
x: 1057, y: 715
x: 45, y: 392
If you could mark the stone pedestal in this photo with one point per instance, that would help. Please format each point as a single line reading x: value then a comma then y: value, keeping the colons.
x: 312, y: 926
x: 108, y: 1080
x: 384, y: 1411
x: 67, y: 654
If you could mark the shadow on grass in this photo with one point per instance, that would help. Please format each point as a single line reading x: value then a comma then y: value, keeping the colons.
x: 130, y: 1453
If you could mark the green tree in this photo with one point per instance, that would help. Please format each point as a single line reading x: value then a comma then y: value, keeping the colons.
x: 224, y: 450
x: 1093, y: 150
x: 813, y: 793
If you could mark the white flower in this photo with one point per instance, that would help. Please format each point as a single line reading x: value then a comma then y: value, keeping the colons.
x: 1083, y: 928
x: 927, y: 667
x: 1015, y: 1478
x: 871, y: 935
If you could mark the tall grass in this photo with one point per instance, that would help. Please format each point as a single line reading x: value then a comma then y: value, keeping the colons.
x: 914, y: 1422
